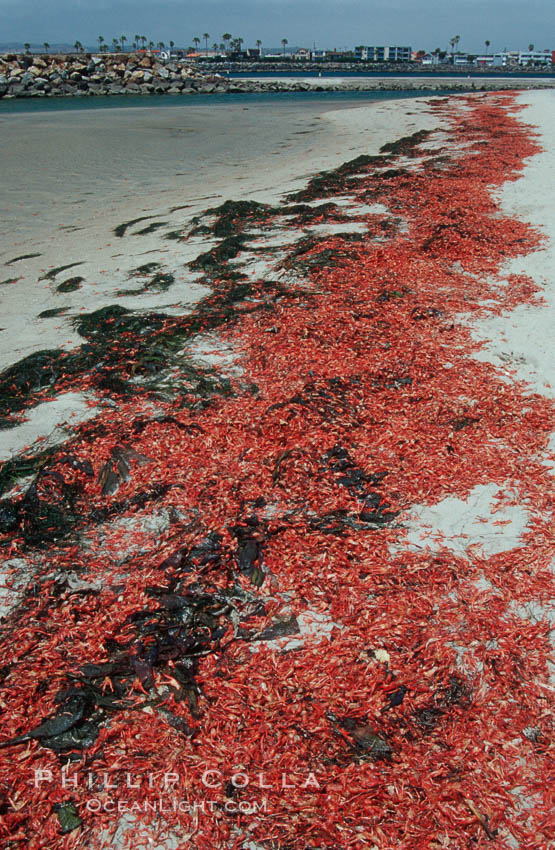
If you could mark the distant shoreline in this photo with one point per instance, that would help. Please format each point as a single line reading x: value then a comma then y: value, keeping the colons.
x: 48, y: 76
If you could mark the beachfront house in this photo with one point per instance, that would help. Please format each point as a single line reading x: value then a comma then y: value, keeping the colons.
x: 523, y: 58
x: 383, y: 54
x: 535, y: 57
x: 487, y: 61
x: 336, y: 55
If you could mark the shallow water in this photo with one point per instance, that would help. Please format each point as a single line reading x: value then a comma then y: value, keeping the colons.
x: 335, y: 99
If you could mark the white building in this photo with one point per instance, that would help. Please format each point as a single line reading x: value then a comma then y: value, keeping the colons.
x: 522, y: 58
x: 383, y: 54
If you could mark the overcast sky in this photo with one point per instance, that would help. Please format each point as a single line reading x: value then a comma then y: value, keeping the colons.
x: 326, y: 23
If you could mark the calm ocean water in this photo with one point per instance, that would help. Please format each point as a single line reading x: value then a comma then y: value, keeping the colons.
x: 53, y: 104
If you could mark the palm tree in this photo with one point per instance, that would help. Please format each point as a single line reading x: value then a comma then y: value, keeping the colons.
x: 215, y: 47
x: 100, y: 43
x: 27, y: 47
x: 226, y: 38
x: 150, y: 45
x: 206, y: 36
x: 531, y: 48
x: 46, y: 46
x: 136, y: 40
x: 259, y: 45
x: 143, y: 40
x: 172, y: 44
x: 196, y: 42
x: 453, y: 42
x: 78, y: 47
x: 239, y: 42
x: 161, y: 45
x: 115, y: 45
x: 123, y: 39
x: 284, y: 43
x: 487, y: 42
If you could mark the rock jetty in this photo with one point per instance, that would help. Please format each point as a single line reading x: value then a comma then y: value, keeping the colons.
x: 25, y: 75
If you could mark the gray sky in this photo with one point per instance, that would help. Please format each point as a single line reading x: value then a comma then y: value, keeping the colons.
x: 327, y: 23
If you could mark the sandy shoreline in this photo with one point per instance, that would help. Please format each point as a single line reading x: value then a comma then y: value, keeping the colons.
x: 264, y: 157
x: 362, y: 488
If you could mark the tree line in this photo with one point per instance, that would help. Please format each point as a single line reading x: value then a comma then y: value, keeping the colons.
x: 140, y: 42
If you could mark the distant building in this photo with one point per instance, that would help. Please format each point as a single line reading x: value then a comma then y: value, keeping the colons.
x: 205, y: 54
x: 537, y: 57
x: 303, y: 54
x: 237, y: 55
x: 485, y: 61
x: 383, y: 54
x: 319, y: 54
x: 508, y: 58
x: 339, y: 55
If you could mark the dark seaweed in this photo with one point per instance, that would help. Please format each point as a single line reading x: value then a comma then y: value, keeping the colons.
x: 144, y: 270
x: 232, y: 216
x: 214, y: 259
x: 22, y: 257
x: 121, y: 228
x: 70, y: 285
x: 407, y: 145
x: 36, y: 372
x: 54, y: 272
x: 151, y: 228
x: 50, y: 314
